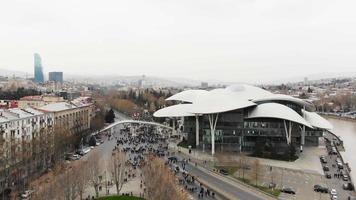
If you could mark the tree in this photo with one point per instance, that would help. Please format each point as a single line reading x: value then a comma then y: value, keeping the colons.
x: 243, y: 165
x: 81, y: 179
x: 110, y: 116
x: 67, y: 183
x: 160, y: 183
x: 256, y: 170
x: 95, y: 171
x: 117, y: 167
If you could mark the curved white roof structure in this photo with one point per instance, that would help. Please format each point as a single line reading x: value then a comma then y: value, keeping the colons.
x: 283, y: 97
x: 278, y: 111
x: 247, y: 91
x: 179, y: 110
x: 186, y: 95
x: 218, y: 101
x: 262, y: 104
x: 316, y: 120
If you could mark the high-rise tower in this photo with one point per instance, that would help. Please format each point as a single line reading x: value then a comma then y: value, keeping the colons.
x: 38, y: 69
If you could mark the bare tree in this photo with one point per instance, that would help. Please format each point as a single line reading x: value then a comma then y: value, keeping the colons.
x: 95, y: 171
x: 68, y: 184
x: 243, y: 165
x: 256, y: 170
x: 117, y: 167
x: 82, y: 178
x: 160, y: 183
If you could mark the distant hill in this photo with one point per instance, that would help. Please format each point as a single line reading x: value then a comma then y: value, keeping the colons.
x: 11, y: 73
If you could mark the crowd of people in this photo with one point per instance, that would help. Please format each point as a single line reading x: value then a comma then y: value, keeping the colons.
x: 138, y: 141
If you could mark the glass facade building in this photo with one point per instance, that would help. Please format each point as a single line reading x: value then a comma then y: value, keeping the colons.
x: 39, y: 78
x: 55, y: 77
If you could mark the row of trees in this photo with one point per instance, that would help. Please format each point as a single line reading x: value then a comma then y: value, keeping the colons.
x: 70, y: 183
x: 137, y: 100
x: 18, y: 93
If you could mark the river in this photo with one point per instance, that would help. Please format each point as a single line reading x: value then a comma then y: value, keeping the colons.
x: 347, y: 132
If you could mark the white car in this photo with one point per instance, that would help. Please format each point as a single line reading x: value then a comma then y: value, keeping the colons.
x: 26, y: 194
x: 333, y: 192
x: 334, y: 197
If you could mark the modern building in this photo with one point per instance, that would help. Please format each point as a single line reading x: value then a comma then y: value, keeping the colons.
x: 39, y: 77
x: 55, y: 77
x: 244, y: 118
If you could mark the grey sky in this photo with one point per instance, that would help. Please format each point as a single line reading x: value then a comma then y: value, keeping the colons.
x: 228, y: 40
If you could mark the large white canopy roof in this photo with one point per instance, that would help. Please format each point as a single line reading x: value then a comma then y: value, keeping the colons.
x: 217, y: 101
x: 277, y: 111
x: 283, y: 97
x: 316, y: 120
x: 187, y: 95
x: 179, y: 110
x: 247, y: 91
x: 242, y: 96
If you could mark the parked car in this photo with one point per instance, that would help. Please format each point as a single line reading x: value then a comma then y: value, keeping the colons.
x: 348, y: 186
x: 318, y: 188
x: 326, y: 168
x: 345, y: 177
x: 288, y: 190
x: 333, y: 192
x: 328, y: 176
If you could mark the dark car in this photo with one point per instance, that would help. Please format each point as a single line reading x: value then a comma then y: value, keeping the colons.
x: 173, y: 159
x: 328, y: 176
x: 318, y: 188
x: 348, y: 186
x: 326, y: 168
x: 288, y: 190
x: 224, y: 172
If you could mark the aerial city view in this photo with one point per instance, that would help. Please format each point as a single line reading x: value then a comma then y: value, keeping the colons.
x: 177, y: 100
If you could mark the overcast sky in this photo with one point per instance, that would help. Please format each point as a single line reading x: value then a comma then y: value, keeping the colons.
x: 227, y: 40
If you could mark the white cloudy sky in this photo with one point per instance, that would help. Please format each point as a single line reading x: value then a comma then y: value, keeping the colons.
x: 228, y: 40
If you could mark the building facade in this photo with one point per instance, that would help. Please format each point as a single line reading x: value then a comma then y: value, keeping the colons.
x: 69, y: 116
x: 55, y: 77
x: 26, y: 137
x: 245, y: 118
x: 38, y: 70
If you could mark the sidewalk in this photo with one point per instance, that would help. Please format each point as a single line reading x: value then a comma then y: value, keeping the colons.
x: 308, y: 162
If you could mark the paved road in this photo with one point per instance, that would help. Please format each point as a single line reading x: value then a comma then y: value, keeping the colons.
x: 221, y: 185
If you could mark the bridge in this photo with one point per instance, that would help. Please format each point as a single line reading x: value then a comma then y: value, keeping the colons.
x: 135, y: 122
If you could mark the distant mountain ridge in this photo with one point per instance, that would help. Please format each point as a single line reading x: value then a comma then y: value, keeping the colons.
x: 174, y: 81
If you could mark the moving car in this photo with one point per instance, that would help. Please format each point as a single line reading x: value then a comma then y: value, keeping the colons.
x: 224, y: 172
x: 288, y: 190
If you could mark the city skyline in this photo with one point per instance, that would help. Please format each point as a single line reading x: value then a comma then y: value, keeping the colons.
x: 244, y: 41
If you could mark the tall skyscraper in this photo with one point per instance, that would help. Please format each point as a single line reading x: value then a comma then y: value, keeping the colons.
x: 38, y: 69
x: 56, y: 77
